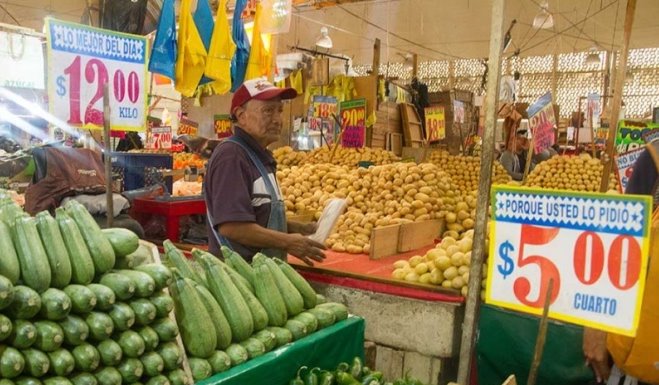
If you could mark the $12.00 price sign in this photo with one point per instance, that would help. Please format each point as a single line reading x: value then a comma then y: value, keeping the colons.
x: 353, y: 118
x: 81, y: 60
x: 593, y: 246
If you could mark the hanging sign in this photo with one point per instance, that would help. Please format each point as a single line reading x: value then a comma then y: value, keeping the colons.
x: 625, y: 166
x: 23, y: 56
x: 353, y: 117
x: 593, y: 246
x: 323, y: 106
x: 435, y: 123
x: 542, y: 122
x: 159, y: 138
x: 187, y: 127
x: 222, y: 125
x: 630, y: 135
x: 458, y: 112
x: 650, y: 136
x: 81, y: 60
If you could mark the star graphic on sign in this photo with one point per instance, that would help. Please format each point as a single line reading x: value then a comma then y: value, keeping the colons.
x: 635, y: 217
x: 500, y: 205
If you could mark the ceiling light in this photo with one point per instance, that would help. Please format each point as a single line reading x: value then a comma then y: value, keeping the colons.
x: 324, y: 41
x: 544, y: 19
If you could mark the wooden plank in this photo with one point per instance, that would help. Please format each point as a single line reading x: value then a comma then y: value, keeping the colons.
x: 384, y: 241
x: 511, y: 380
x: 418, y: 234
x: 396, y: 143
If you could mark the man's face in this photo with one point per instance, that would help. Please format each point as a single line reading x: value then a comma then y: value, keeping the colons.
x: 261, y: 119
x: 522, y: 143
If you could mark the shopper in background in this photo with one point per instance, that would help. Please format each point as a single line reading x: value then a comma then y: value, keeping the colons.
x: 245, y: 207
x: 513, y: 159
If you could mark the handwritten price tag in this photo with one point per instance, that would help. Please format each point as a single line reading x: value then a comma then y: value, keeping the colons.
x: 159, y: 138
x: 324, y: 106
x: 222, y: 124
x: 81, y: 60
x: 593, y: 246
x: 353, y: 117
x: 187, y: 127
x: 435, y: 124
x: 542, y: 122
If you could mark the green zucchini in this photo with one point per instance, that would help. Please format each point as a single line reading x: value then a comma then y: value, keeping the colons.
x: 292, y: 297
x: 122, y: 286
x: 24, y: 381
x: 50, y: 336
x: 6, y: 291
x: 239, y: 264
x: 301, y: 284
x: 108, y: 376
x: 200, y: 256
x: 166, y: 329
x: 37, y: 363
x: 282, y: 335
x: 35, y: 270
x: 55, y: 304
x: 340, y: 310
x: 297, y: 328
x: 192, y: 316
x: 181, y: 263
x: 62, y: 362
x: 171, y: 355
x: 145, y: 311
x: 131, y: 369
x: 26, y: 303
x: 100, y: 325
x: 222, y: 328
x: 122, y: 316
x: 220, y: 361
x: 153, y: 364
x: 83, y: 300
x: 82, y: 265
x: 123, y: 241
x: 269, y: 296
x: 200, y: 368
x: 320, y: 299
x: 256, y: 309
x: 5, y: 327
x: 128, y: 262
x: 160, y: 274
x: 142, y: 255
x: 9, y: 265
x: 237, y: 353
x: 58, y: 256
x: 84, y: 379
x: 231, y: 301
x: 150, y: 338
x: 87, y: 358
x: 144, y: 284
x: 254, y: 347
x: 76, y: 330
x: 324, y: 316
x: 131, y: 344
x: 12, y: 362
x: 23, y: 334
x: 158, y: 380
x: 164, y: 304
x: 56, y: 381
x: 177, y: 377
x: 99, y: 247
x: 105, y: 297
x: 110, y: 352
x: 5, y: 381
x: 309, y: 320
x: 267, y: 338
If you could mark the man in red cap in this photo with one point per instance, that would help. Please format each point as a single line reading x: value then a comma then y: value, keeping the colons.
x: 246, y: 211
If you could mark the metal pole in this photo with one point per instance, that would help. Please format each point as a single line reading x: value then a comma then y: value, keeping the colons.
x: 109, y: 212
x: 617, y: 95
x: 482, y: 205
x: 542, y: 337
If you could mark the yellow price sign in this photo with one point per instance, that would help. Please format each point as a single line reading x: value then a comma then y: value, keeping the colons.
x: 435, y: 124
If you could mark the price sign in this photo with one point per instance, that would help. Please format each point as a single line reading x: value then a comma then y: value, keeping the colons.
x: 630, y: 135
x: 222, y: 125
x: 323, y: 106
x: 159, y: 138
x: 650, y: 136
x: 625, y: 166
x: 542, y: 122
x: 458, y: 112
x: 353, y: 117
x: 593, y: 246
x: 435, y: 124
x: 81, y: 60
x: 187, y: 127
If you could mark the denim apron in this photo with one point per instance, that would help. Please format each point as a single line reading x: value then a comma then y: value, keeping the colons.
x: 277, y: 219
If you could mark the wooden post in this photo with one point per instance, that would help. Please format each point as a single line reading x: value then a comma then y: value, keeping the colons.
x: 415, y: 65
x: 542, y: 336
x: 376, y: 58
x: 451, y: 74
x: 592, y: 128
x: 554, y: 76
x: 482, y: 204
x: 529, y: 159
x: 109, y: 209
x: 617, y: 95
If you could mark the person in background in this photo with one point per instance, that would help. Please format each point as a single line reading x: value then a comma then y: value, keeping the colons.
x: 245, y: 207
x: 513, y: 159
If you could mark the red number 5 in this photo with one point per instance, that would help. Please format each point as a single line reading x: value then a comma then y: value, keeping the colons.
x: 534, y: 235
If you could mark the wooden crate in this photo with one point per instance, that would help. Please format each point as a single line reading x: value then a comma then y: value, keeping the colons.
x: 395, y: 239
x: 412, y: 128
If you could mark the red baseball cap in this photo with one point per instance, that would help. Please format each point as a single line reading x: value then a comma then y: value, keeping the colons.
x: 259, y: 89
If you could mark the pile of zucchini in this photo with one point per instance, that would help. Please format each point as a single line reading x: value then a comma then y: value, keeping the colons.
x: 244, y: 310
x: 76, y: 307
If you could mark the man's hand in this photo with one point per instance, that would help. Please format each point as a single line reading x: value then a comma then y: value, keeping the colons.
x: 302, y: 228
x: 305, y: 249
x: 597, y: 356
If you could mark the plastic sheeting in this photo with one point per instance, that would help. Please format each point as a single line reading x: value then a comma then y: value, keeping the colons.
x: 124, y: 15
x: 325, y: 349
